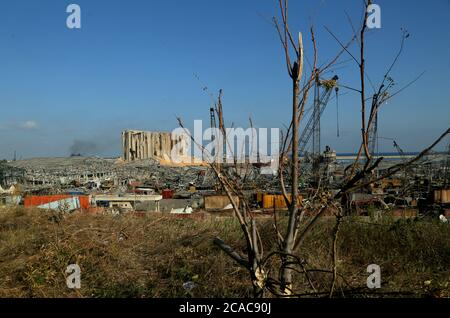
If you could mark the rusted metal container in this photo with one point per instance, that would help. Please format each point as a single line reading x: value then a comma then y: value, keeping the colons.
x: 277, y: 201
x: 167, y: 194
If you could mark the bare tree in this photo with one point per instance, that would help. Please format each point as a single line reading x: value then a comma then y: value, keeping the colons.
x: 295, y: 71
x: 291, y: 238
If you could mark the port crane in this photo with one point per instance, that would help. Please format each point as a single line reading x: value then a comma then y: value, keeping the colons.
x: 312, y: 127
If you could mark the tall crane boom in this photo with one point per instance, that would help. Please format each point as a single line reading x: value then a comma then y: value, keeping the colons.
x: 313, y: 123
x: 399, y: 150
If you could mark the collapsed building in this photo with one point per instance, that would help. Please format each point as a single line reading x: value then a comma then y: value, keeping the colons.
x: 138, y: 145
x: 10, y: 175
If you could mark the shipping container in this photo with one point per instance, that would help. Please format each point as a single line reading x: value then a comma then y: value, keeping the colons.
x: 37, y: 200
x: 69, y: 204
x: 167, y: 194
x: 277, y: 201
x: 442, y: 196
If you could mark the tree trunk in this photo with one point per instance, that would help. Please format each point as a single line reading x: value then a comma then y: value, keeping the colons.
x: 286, y: 276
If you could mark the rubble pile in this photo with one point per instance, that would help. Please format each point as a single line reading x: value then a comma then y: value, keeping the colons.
x: 10, y: 175
x: 60, y: 174
x: 149, y: 185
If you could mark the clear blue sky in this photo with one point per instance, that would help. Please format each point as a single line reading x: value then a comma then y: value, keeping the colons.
x: 132, y: 66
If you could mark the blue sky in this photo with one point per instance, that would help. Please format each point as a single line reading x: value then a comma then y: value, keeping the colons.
x: 132, y: 65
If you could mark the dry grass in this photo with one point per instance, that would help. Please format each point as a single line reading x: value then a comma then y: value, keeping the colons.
x: 123, y: 256
x: 131, y: 256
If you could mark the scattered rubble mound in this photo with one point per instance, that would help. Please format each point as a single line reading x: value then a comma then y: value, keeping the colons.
x: 64, y: 164
x: 60, y: 173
